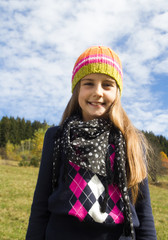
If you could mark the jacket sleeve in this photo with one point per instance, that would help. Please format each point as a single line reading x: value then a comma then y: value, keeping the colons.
x: 39, y: 210
x: 146, y: 230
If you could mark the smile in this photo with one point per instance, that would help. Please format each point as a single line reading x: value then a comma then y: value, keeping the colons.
x: 96, y: 103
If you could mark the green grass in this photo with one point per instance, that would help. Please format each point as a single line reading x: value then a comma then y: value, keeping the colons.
x: 159, y: 201
x: 17, y: 186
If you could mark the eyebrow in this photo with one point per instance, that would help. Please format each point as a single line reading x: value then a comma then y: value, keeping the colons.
x: 106, y: 79
x: 87, y: 80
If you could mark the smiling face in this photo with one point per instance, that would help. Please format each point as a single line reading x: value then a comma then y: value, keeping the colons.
x: 96, y: 95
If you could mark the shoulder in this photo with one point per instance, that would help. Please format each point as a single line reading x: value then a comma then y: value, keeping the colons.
x: 52, y: 131
x: 50, y: 135
x: 49, y: 140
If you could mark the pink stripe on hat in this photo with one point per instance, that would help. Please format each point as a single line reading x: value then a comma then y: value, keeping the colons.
x: 96, y: 59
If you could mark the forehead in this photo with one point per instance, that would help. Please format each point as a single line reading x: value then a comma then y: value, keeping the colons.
x: 98, y: 76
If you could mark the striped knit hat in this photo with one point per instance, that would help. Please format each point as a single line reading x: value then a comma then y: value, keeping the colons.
x: 98, y: 59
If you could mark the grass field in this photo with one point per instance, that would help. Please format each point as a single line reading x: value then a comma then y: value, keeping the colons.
x: 17, y: 187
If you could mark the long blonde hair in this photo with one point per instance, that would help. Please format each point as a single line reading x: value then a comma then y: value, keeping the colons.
x: 136, y: 142
x: 137, y: 146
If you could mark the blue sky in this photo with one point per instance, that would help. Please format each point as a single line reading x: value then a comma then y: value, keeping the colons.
x: 41, y: 39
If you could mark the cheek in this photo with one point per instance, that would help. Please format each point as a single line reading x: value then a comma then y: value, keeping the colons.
x: 83, y: 93
x: 113, y: 94
x: 81, y: 98
x: 112, y: 97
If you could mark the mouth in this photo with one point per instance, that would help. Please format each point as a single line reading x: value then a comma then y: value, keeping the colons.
x: 96, y: 103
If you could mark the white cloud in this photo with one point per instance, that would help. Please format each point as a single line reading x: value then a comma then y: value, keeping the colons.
x: 161, y: 66
x: 40, y: 41
x: 160, y: 21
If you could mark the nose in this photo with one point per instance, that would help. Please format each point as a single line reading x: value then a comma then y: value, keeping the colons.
x: 98, y: 90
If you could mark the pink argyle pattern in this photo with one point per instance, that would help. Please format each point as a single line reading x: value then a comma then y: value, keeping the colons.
x: 78, y: 211
x: 77, y: 185
x: 88, y: 192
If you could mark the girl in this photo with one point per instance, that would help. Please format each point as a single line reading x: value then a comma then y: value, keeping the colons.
x: 92, y: 182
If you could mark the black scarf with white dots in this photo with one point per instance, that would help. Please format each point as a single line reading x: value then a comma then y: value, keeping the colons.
x: 87, y: 144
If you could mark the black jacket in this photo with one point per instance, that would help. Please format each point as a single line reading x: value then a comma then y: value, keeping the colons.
x: 49, y: 218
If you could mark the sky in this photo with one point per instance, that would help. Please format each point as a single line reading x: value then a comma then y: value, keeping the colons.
x: 40, y: 41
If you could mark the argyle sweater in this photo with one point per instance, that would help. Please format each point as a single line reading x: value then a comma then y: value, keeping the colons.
x: 73, y: 210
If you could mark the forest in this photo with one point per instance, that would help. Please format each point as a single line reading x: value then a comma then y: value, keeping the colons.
x: 22, y: 140
x: 16, y: 130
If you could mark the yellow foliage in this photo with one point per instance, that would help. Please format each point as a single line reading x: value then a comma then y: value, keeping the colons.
x: 26, y: 145
x: 11, y: 152
x: 38, y: 142
x: 28, y: 148
x: 164, y: 159
x: 163, y: 156
x: 18, y: 157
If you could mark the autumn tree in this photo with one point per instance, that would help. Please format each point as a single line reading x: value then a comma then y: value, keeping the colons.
x: 13, y: 152
x: 163, y: 143
x: 164, y: 159
x: 37, y: 145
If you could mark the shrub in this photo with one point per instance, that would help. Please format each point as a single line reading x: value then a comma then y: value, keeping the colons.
x: 34, y: 161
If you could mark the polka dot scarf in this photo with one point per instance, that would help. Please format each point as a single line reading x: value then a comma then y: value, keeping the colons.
x: 87, y: 144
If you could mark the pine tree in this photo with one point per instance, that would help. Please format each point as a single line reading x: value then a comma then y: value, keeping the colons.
x: 28, y: 130
x: 5, y: 131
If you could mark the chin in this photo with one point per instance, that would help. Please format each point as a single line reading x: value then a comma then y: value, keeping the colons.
x: 100, y: 116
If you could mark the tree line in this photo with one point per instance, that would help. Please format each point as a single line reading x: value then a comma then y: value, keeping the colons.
x: 159, y: 142
x: 22, y: 140
x: 15, y: 130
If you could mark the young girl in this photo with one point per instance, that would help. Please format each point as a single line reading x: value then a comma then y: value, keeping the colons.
x: 92, y: 182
